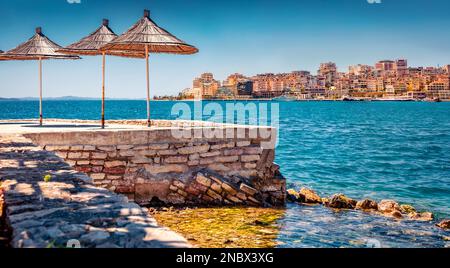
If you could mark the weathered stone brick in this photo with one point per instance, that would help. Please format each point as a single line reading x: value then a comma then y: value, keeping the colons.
x: 126, y: 153
x: 57, y: 148
x: 219, y: 146
x: 74, y: 155
x: 241, y: 196
x: 182, y: 193
x: 76, y: 148
x: 176, y: 159
x: 141, y: 160
x: 114, y: 170
x: 83, y: 163
x: 158, y: 146
x: 242, y: 143
x: 107, y: 148
x: 61, y: 154
x: 110, y: 164
x: 233, y: 151
x: 175, y: 168
x: 234, y: 199
x: 97, y: 169
x: 194, y: 149
x: 124, y: 189
x: 203, y: 180
x: 84, y: 169
x: 97, y: 162
x: 253, y: 200
x: 219, y: 167
x: 194, y: 163
x: 229, y: 189
x: 140, y: 148
x: 250, y: 158
x: 210, y: 154
x: 194, y: 156
x: 71, y: 162
x: 147, y: 152
x: 167, y: 152
x: 253, y: 150
x: 217, y: 180
x: 100, y: 156
x: 98, y: 176
x: 226, y: 159
x: 207, y: 198
x: 248, y: 189
x: 206, y: 161
x: 171, y: 187
x: 193, y: 190
x: 114, y: 177
x: 214, y: 195
x: 246, y: 173
x: 250, y: 165
x: 124, y: 147
x: 216, y: 187
x: 88, y: 148
x: 178, y: 184
x: 157, y: 160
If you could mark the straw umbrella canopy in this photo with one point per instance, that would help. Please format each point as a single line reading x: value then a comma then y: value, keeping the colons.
x: 90, y: 46
x: 146, y: 36
x: 39, y: 47
x: 3, y: 55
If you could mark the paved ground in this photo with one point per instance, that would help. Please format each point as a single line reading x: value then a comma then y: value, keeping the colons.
x: 64, y: 125
x: 68, y: 206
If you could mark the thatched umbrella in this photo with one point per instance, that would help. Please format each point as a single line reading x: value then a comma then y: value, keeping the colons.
x: 90, y: 46
x: 3, y: 55
x: 39, y: 47
x: 146, y: 36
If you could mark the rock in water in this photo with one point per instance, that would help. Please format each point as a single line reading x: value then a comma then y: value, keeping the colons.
x: 367, y: 204
x: 407, y: 209
x: 292, y: 195
x: 388, y: 206
x: 423, y: 216
x: 342, y: 201
x: 310, y: 196
x: 445, y: 224
x: 396, y: 214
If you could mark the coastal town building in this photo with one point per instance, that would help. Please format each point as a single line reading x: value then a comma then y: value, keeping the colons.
x: 206, y: 85
x: 385, y: 79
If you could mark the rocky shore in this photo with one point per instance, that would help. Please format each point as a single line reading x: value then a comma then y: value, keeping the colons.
x: 388, y: 208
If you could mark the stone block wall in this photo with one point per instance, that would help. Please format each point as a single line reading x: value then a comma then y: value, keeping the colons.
x: 151, y: 166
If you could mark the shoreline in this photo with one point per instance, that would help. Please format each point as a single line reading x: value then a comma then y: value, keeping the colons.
x: 245, y: 100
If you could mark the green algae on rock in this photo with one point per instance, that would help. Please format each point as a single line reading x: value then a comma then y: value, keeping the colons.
x: 234, y: 227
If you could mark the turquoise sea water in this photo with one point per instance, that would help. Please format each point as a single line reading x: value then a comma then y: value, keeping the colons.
x: 378, y: 150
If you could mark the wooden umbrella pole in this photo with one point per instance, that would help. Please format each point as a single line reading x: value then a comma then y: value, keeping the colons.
x: 40, y: 92
x: 103, y: 89
x: 148, y: 86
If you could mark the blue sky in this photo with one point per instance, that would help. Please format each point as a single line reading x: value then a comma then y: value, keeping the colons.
x: 246, y: 36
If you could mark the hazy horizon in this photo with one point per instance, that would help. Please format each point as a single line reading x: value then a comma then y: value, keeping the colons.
x: 247, y: 37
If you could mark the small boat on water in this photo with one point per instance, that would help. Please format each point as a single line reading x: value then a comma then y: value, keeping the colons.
x: 348, y: 98
x: 285, y: 97
x: 394, y: 99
